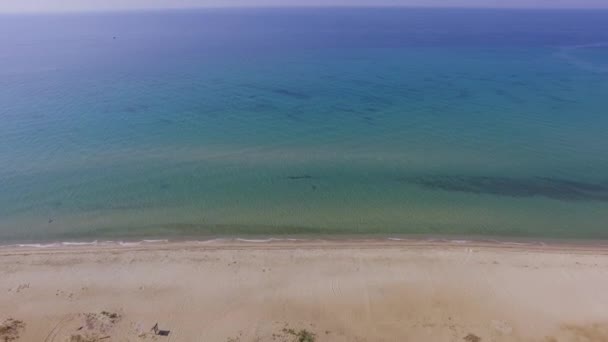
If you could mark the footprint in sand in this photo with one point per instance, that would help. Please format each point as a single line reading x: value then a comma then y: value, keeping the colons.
x: 84, y: 327
x: 502, y: 327
x: 22, y: 287
x: 66, y: 295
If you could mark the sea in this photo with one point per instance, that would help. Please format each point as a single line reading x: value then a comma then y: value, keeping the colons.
x: 276, y: 122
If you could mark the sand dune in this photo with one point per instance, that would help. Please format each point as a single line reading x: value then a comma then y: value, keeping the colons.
x: 321, y: 291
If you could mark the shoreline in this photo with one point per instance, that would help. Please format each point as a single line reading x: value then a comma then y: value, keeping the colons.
x: 324, y: 241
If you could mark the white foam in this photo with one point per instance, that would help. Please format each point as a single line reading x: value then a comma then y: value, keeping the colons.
x: 155, y: 241
x: 254, y: 240
x: 68, y: 243
x: 514, y: 243
x: 35, y: 245
x: 205, y: 242
x: 129, y: 244
x: 87, y: 243
x: 267, y: 240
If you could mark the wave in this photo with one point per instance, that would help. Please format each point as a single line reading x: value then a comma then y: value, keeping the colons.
x: 35, y: 245
x: 121, y: 243
x: 219, y: 241
x: 68, y: 243
x: 269, y: 240
x: 85, y: 243
x: 138, y: 243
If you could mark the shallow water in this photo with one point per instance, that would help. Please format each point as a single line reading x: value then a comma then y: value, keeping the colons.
x: 222, y: 122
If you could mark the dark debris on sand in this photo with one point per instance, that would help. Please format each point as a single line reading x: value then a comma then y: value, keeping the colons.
x: 472, y: 338
x: 10, y: 330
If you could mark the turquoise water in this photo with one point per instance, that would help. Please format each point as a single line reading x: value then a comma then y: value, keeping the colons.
x: 318, y: 121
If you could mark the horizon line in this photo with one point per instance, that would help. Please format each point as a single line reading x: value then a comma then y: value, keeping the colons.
x: 298, y: 6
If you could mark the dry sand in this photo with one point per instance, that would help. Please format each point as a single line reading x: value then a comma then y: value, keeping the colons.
x: 339, y: 291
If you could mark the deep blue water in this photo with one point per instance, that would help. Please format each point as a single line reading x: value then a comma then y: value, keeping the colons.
x: 222, y: 122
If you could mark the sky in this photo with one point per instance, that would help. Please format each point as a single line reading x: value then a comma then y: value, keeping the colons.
x: 17, y: 6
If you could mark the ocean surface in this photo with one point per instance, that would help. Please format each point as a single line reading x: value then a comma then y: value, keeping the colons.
x: 238, y: 122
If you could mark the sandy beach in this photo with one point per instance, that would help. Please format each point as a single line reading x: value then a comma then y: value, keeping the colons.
x: 306, y: 291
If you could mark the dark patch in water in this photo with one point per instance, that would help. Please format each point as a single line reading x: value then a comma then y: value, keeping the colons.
x: 360, y: 82
x: 369, y: 120
x: 519, y: 83
x: 343, y: 109
x: 136, y: 108
x: 263, y: 107
x: 554, y: 188
x: 376, y: 101
x: 412, y: 90
x: 293, y: 117
x: 463, y: 94
x: 560, y: 99
x: 509, y: 96
x: 280, y: 91
x: 298, y: 177
x: 291, y: 93
x: 485, y: 79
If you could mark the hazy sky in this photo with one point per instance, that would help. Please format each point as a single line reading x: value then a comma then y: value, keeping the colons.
x: 96, y: 5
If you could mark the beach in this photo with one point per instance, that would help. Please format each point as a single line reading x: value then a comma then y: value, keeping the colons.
x: 310, y: 290
x: 244, y: 174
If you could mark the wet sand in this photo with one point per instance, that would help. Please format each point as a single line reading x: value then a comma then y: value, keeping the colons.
x: 280, y: 291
